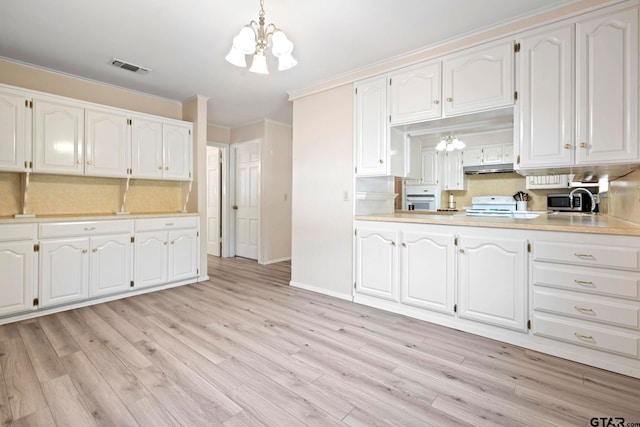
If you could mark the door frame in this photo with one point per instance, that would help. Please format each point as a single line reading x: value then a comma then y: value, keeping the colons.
x: 232, y: 196
x: 225, y: 204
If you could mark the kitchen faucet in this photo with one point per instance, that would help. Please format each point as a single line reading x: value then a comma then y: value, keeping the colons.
x: 593, y: 200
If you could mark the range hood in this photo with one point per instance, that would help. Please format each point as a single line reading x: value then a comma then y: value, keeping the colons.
x: 495, y: 168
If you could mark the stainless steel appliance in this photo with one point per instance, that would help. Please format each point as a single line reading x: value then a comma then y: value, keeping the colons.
x: 501, y: 206
x: 422, y: 197
x: 562, y: 202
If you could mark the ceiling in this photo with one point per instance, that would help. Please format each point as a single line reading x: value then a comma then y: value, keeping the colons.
x: 184, y: 42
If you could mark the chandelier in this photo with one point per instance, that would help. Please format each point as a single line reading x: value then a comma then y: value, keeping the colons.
x: 450, y: 143
x: 254, y: 38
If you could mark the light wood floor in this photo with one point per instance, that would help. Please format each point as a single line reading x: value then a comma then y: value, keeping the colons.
x: 245, y: 349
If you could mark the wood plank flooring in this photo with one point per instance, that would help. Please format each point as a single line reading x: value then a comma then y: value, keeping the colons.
x: 245, y: 349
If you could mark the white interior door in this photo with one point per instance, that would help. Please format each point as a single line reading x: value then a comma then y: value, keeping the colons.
x: 247, y: 199
x: 213, y: 200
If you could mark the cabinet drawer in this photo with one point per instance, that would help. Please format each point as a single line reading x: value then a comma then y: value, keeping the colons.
x: 594, y: 309
x: 13, y: 232
x: 587, y: 254
x: 591, y: 280
x: 167, y: 223
x: 587, y: 335
x: 83, y: 228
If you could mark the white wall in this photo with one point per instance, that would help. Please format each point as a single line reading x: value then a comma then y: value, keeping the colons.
x: 322, y: 221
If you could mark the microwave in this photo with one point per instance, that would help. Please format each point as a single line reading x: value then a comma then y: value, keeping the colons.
x: 560, y: 202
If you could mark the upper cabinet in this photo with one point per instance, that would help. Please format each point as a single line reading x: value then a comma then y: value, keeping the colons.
x: 478, y: 79
x: 372, y: 141
x: 58, y: 137
x: 14, y: 151
x: 414, y: 93
x: 595, y: 63
x: 470, y: 81
x: 108, y: 144
x: 55, y: 135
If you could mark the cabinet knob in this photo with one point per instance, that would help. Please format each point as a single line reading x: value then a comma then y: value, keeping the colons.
x: 89, y: 162
x: 381, y: 161
x: 173, y: 241
x: 159, y: 168
x: 393, y: 243
x: 166, y: 243
x: 234, y: 207
x: 449, y: 99
x: 95, y: 250
x: 461, y: 251
x: 79, y: 162
x: 166, y: 168
x: 404, y: 245
x: 583, y: 145
x: 84, y: 251
x: 567, y: 146
x: 436, y: 101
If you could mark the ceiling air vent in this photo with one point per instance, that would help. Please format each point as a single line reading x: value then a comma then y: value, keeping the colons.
x: 129, y: 66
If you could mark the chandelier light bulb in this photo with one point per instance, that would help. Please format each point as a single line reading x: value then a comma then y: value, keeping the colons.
x: 236, y: 57
x: 259, y: 65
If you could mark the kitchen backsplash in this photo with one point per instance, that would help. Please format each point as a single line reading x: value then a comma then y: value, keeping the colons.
x: 498, y: 184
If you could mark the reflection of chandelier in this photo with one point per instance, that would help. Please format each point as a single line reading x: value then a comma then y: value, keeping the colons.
x: 254, y: 38
x: 450, y: 143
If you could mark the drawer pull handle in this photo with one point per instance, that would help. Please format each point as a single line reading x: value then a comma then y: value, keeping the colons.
x: 169, y: 224
x: 583, y: 337
x: 586, y: 256
x: 587, y: 283
x: 584, y: 310
x: 89, y: 228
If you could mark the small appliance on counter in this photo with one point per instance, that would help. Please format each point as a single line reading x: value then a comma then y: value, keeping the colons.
x: 562, y: 202
x: 422, y: 197
x: 500, y: 206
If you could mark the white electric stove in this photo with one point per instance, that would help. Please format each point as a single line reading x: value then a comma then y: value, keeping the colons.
x: 500, y: 206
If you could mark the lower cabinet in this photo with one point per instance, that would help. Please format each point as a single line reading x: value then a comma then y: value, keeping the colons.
x: 16, y: 280
x: 492, y: 281
x: 167, y: 253
x: 376, y: 262
x: 64, y: 271
x: 110, y: 263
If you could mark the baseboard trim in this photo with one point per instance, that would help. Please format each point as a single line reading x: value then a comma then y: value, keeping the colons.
x: 273, y: 261
x: 318, y: 290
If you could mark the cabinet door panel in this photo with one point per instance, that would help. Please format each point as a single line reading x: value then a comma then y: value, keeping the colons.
x: 64, y: 271
x: 146, y: 141
x: 608, y: 89
x: 58, y: 137
x: 108, y: 144
x: 376, y: 263
x: 16, y: 280
x: 183, y: 255
x: 453, y: 172
x: 372, y: 144
x: 430, y: 167
x: 472, y: 156
x: 415, y: 94
x: 492, y: 154
x: 12, y: 131
x: 110, y: 264
x: 428, y: 271
x: 546, y: 113
x: 479, y: 79
x: 492, y: 281
x: 151, y: 250
x: 177, y: 152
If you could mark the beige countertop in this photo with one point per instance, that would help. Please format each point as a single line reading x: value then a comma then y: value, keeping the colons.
x: 577, y: 223
x: 89, y: 217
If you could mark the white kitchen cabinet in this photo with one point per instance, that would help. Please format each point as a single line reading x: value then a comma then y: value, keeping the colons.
x: 545, y: 119
x: 478, y: 79
x: 492, y: 154
x: 377, y: 262
x: 507, y: 153
x: 415, y: 93
x: 472, y: 156
x: 492, y: 280
x: 17, y: 266
x: 372, y: 141
x: 177, y: 151
x: 428, y: 272
x: 607, y: 88
x: 108, y: 143
x: 147, y: 152
x: 15, y: 144
x: 430, y: 167
x: 110, y: 264
x: 58, y: 137
x: 64, y: 271
x: 166, y: 250
x: 453, y: 174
